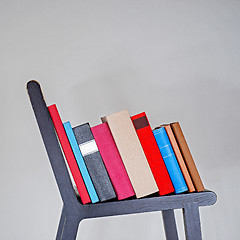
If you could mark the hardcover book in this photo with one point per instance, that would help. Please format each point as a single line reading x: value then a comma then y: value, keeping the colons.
x: 187, y: 156
x: 94, y: 162
x: 152, y: 153
x: 112, y: 161
x: 179, y: 157
x: 81, y: 164
x: 170, y: 160
x: 132, y: 154
x: 57, y: 122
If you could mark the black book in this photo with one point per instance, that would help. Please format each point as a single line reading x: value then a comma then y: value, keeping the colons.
x: 94, y: 162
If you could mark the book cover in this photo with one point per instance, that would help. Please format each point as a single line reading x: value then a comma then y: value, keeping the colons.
x: 180, y: 159
x: 187, y: 156
x: 57, y: 122
x: 131, y: 152
x: 170, y: 160
x: 112, y: 161
x: 152, y: 153
x: 94, y: 162
x: 81, y: 164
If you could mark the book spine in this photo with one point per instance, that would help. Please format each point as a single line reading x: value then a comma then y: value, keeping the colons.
x: 170, y: 160
x: 132, y: 154
x: 152, y: 153
x: 94, y: 162
x: 187, y: 156
x: 112, y: 161
x: 57, y: 122
x: 81, y: 164
x: 180, y: 159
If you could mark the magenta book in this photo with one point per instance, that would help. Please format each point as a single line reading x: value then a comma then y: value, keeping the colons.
x: 112, y: 161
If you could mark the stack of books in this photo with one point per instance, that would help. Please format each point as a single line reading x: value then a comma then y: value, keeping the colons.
x: 124, y: 158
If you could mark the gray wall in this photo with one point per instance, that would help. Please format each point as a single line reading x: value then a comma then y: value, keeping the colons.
x: 176, y: 60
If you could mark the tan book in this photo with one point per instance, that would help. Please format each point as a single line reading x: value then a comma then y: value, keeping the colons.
x: 179, y: 157
x: 187, y: 156
x: 131, y: 152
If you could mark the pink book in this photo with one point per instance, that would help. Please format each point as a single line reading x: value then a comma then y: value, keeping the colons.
x: 112, y: 161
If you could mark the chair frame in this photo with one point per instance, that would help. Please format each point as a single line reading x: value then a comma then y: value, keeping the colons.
x: 73, y: 212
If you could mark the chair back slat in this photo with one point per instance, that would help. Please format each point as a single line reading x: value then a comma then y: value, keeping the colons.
x: 51, y: 143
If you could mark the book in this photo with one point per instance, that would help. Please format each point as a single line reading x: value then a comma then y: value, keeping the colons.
x: 152, y: 153
x: 112, y: 161
x: 81, y: 164
x: 180, y: 159
x: 94, y: 162
x: 131, y: 152
x: 187, y: 156
x: 57, y: 122
x: 170, y: 160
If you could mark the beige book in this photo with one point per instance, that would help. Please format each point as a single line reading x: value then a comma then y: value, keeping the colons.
x: 131, y: 152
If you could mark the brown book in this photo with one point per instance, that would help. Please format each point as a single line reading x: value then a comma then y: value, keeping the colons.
x: 187, y: 156
x: 179, y: 157
x: 131, y: 152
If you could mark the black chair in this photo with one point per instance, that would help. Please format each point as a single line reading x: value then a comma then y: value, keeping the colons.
x: 73, y: 212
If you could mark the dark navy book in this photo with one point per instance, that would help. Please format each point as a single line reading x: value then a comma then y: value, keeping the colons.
x: 94, y: 162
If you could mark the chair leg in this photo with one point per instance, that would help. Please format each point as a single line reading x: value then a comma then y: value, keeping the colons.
x: 169, y: 224
x: 61, y: 224
x: 192, y: 221
x: 68, y: 227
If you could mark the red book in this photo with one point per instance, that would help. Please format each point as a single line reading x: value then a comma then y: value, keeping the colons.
x: 112, y: 161
x: 152, y: 153
x: 57, y: 122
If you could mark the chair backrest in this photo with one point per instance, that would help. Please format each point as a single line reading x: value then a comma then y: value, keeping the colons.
x: 51, y: 143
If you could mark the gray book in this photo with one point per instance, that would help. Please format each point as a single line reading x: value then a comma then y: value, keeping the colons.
x: 94, y: 162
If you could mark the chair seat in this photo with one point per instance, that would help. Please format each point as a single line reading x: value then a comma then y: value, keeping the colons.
x: 152, y: 204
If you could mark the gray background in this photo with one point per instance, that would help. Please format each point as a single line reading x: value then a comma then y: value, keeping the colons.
x: 176, y: 60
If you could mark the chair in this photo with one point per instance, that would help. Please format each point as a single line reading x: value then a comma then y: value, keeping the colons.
x: 73, y: 212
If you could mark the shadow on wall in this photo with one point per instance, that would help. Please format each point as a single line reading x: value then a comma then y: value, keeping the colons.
x: 111, y: 93
x: 196, y: 104
x: 163, y: 100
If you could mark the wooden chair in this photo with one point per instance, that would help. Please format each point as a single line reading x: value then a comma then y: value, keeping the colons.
x: 73, y: 212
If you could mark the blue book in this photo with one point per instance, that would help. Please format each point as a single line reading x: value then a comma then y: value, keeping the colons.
x: 170, y: 160
x: 81, y: 164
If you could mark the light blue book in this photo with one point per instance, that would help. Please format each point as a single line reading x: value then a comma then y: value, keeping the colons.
x: 170, y: 160
x: 81, y: 164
